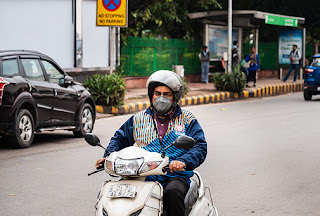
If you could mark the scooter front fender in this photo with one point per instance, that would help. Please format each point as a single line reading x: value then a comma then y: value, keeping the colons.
x: 202, y: 207
x: 147, y: 200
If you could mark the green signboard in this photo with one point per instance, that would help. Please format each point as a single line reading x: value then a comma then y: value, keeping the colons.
x: 281, y: 21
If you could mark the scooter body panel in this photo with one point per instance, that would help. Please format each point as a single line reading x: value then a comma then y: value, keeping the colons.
x: 202, y: 207
x: 147, y: 200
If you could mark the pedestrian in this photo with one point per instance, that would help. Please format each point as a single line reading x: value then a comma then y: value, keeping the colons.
x: 254, y: 66
x: 235, y: 56
x: 156, y: 128
x: 307, y: 61
x: 205, y: 62
x: 221, y: 65
x: 294, y: 63
x: 244, y: 66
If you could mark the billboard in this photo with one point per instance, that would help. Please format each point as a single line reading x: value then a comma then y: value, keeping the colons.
x: 218, y: 40
x: 287, y: 38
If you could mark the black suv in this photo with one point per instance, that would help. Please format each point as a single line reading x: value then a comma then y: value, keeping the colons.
x: 36, y: 95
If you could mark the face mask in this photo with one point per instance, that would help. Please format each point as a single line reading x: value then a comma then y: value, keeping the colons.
x: 162, y: 105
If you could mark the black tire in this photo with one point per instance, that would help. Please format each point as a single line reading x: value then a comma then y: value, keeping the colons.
x: 86, y: 121
x: 23, y: 130
x: 307, y: 95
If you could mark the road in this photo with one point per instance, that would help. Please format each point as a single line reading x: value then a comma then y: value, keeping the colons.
x: 263, y: 159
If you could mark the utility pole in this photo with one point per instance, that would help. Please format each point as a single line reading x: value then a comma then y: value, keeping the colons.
x: 111, y: 49
x: 229, y: 36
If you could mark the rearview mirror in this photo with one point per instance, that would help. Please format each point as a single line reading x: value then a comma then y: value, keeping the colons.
x: 92, y: 139
x: 68, y: 80
x: 184, y: 142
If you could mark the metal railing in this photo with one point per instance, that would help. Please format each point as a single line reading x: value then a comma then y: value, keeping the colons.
x: 143, y: 56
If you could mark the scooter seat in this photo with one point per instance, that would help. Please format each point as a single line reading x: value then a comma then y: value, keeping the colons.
x: 192, y: 195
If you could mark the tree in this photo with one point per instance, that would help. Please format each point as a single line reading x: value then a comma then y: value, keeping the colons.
x: 166, y: 18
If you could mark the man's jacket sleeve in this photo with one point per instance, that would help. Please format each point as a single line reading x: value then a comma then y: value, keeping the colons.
x: 122, y: 137
x: 195, y: 156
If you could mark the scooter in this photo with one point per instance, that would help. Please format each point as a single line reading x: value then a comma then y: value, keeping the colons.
x: 132, y: 195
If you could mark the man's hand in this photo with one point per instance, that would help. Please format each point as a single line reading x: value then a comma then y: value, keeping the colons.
x: 176, y: 166
x: 100, y: 162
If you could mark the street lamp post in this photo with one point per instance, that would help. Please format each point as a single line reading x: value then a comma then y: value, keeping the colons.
x: 229, y: 36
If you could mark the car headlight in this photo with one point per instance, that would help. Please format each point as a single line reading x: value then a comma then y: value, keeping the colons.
x: 127, y: 167
x: 150, y: 165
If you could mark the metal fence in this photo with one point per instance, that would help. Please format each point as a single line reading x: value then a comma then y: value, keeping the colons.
x: 143, y: 56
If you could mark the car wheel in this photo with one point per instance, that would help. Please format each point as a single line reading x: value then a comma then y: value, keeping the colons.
x: 23, y: 130
x: 307, y: 95
x: 86, y: 121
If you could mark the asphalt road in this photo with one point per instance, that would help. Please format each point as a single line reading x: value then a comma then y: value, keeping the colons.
x: 263, y: 159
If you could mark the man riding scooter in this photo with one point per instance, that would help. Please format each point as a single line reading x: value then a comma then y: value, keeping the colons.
x: 157, y: 127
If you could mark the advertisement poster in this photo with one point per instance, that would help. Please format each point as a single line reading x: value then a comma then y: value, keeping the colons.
x: 218, y: 40
x: 287, y: 38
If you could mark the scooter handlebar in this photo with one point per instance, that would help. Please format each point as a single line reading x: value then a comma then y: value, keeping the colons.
x: 166, y: 168
x: 98, y: 170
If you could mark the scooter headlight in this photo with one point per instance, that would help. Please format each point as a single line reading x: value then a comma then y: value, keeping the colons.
x: 127, y: 167
x: 150, y: 165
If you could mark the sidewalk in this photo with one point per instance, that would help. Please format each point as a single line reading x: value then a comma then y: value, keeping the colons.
x: 137, y: 99
x: 140, y: 95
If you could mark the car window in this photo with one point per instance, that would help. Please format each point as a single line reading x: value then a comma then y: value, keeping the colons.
x: 53, y: 73
x: 315, y: 62
x: 33, y: 69
x: 10, y: 68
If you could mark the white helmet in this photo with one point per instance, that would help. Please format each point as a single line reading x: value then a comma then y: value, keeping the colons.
x: 169, y: 79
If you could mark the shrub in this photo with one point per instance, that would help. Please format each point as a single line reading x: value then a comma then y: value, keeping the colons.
x: 229, y: 82
x: 108, y: 90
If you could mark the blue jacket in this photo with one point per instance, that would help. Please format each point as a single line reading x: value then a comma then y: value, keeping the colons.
x: 253, y: 66
x: 140, y: 129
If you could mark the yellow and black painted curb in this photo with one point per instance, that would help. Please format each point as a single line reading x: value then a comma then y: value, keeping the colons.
x: 123, y: 109
x: 208, y: 98
x: 272, y: 90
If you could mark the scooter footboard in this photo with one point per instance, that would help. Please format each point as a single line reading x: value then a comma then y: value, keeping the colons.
x: 127, y: 197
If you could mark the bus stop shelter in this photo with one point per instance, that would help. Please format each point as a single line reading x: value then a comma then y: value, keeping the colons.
x: 212, y: 20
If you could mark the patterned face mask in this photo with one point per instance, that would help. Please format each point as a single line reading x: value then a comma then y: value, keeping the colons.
x: 162, y: 104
